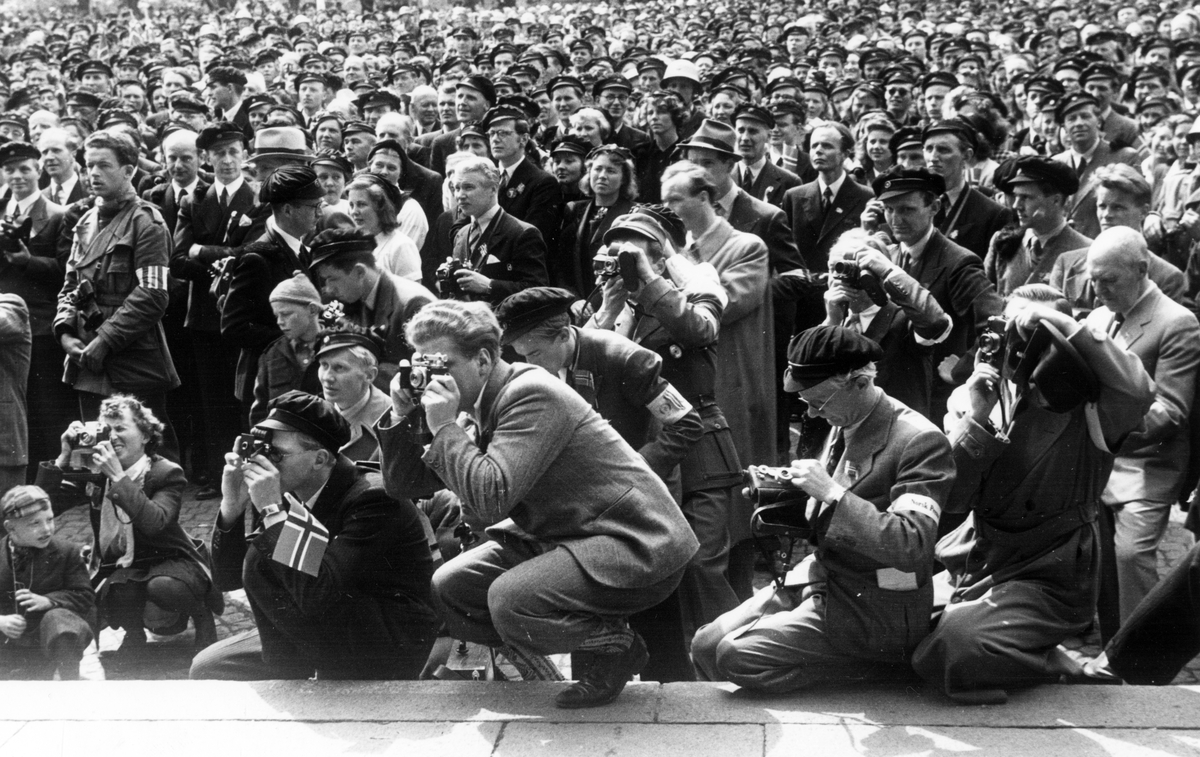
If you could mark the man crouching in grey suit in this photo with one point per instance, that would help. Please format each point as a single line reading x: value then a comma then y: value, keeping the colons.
x: 583, y: 533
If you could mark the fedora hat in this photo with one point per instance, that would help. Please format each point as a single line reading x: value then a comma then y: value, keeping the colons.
x: 280, y: 142
x: 717, y: 136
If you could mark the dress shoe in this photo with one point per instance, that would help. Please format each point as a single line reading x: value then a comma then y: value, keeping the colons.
x: 606, y: 678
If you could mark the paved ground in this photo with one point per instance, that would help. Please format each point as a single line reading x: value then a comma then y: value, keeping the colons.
x: 169, y: 657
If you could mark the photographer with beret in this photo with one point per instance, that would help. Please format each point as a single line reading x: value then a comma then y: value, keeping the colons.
x: 1048, y: 395
x: 1040, y: 189
x: 295, y: 198
x: 857, y: 607
x: 362, y: 612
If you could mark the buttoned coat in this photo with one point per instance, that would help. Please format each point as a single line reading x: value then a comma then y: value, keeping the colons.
x: 280, y: 371
x: 204, y: 234
x: 510, y: 252
x: 534, y: 197
x: 1150, y: 462
x: 549, y: 469
x: 767, y: 222
x: 39, y: 280
x: 772, y: 184
x: 745, y: 380
x: 976, y: 223
x: 571, y: 266
x: 898, y: 473
x: 1081, y: 206
x: 816, y: 231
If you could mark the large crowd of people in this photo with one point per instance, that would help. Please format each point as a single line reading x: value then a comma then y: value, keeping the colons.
x: 545, y: 328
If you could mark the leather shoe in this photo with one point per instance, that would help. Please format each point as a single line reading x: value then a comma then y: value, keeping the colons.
x: 606, y: 678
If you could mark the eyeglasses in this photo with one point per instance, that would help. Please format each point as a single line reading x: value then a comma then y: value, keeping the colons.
x: 501, y: 133
x: 619, y: 97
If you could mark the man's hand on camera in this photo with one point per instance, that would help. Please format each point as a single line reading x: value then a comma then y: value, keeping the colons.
x: 234, y: 493
x: 31, y: 602
x: 1028, y: 317
x: 20, y: 257
x: 262, y: 482
x: 402, y: 401
x: 872, y: 216
x: 645, y: 271
x: 473, y: 282
x: 837, y: 303
x: 12, y: 626
x: 441, y: 400
x: 874, y: 261
x: 983, y: 389
x: 811, y: 476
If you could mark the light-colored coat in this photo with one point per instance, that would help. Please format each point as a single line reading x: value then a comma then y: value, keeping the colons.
x: 1150, y: 462
x: 745, y: 379
x: 15, y: 343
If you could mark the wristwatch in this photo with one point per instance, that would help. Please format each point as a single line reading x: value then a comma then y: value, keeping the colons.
x: 270, y: 510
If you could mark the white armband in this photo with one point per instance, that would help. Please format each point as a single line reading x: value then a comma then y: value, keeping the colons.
x: 153, y: 277
x: 918, y: 503
x: 669, y: 406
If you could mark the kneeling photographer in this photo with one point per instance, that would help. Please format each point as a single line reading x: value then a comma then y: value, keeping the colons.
x: 336, y: 571
x: 147, y: 571
x: 857, y: 607
x: 1033, y: 432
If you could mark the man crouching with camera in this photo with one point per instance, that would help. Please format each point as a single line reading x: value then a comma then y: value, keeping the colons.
x: 336, y: 571
x: 583, y: 533
x: 856, y: 609
x: 1033, y: 432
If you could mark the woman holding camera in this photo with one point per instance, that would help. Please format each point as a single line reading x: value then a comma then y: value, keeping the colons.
x: 374, y: 208
x: 146, y: 568
x: 609, y: 182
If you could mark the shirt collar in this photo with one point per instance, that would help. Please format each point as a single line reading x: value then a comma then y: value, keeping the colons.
x: 1030, y: 234
x: 181, y: 192
x: 726, y: 202
x: 1076, y: 155
x: 288, y: 239
x: 835, y: 186
x: 230, y: 114
x: 69, y: 185
x: 23, y: 206
x: 508, y: 170
x: 756, y: 167
x: 915, y: 250
x: 486, y: 219
x: 232, y: 186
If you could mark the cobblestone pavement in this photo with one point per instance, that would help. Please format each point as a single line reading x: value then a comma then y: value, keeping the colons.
x: 169, y: 657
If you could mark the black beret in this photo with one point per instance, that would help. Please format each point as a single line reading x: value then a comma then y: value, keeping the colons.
x: 332, y: 243
x: 386, y: 144
x: 1036, y: 169
x: 754, y: 113
x: 522, y: 312
x: 221, y: 131
x: 482, y: 85
x: 310, y: 415
x: 290, y: 184
x: 10, y: 151
x: 823, y: 352
x: 906, y: 180
x: 1074, y: 101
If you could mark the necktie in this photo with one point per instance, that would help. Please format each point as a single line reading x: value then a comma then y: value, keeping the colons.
x: 56, y: 194
x: 827, y: 200
x: 1080, y: 167
x: 473, y: 234
x: 837, y: 446
x: 747, y: 178
x: 905, y: 261
x: 224, y: 201
x: 503, y: 182
x: 1035, y: 249
x: 939, y: 218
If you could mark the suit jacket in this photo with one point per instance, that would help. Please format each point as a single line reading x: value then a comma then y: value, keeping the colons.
x: 974, y: 225
x: 510, y: 252
x: 441, y: 147
x: 38, y: 281
x: 247, y: 321
x: 768, y: 223
x: 622, y: 382
x: 396, y: 300
x: 1166, y: 337
x: 242, y: 120
x: 548, y: 468
x: 1009, y: 268
x: 424, y: 185
x: 571, y: 266
x: 772, y: 183
x: 78, y: 192
x: 534, y: 196
x: 1069, y: 276
x: 205, y: 235
x: 167, y: 202
x: 15, y: 346
x: 368, y: 612
x: 1081, y: 207
x: 898, y: 472
x: 745, y: 390
x: 629, y: 137
x: 814, y: 231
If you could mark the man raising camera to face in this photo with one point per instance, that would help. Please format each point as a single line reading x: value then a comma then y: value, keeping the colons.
x: 583, y: 532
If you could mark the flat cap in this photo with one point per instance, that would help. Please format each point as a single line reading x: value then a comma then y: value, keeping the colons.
x: 822, y: 352
x: 522, y: 312
x: 482, y: 85
x: 754, y: 113
x: 906, y: 180
x: 906, y: 138
x: 332, y: 341
x: 1072, y: 102
x: 291, y: 184
x: 1037, y: 169
x: 222, y: 131
x: 20, y: 501
x: 333, y: 159
x: 332, y: 243
x: 310, y: 415
x: 10, y: 151
x: 570, y: 144
x: 226, y: 75
x: 655, y: 223
x: 955, y: 126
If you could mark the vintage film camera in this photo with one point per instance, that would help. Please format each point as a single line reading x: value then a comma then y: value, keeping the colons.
x: 83, y: 443
x: 780, y: 507
x: 447, y: 278
x: 855, y: 276
x: 993, y: 341
x: 257, y: 442
x: 88, y: 316
x: 415, y: 377
x: 14, y: 232
x: 607, y: 264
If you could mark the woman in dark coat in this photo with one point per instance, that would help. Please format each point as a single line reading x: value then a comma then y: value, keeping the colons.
x: 146, y: 569
x: 609, y: 182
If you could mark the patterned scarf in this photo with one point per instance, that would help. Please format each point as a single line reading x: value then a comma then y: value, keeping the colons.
x: 116, y: 530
